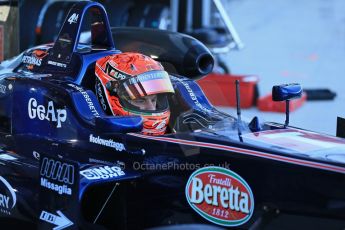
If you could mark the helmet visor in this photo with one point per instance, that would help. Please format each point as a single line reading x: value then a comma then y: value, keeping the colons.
x: 156, y: 104
x: 149, y: 83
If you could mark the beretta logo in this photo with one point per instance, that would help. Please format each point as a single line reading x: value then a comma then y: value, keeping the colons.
x: 220, y: 196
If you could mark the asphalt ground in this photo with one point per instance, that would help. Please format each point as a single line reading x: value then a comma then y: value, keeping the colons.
x: 293, y: 41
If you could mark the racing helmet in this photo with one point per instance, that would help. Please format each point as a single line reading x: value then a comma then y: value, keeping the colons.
x: 126, y: 81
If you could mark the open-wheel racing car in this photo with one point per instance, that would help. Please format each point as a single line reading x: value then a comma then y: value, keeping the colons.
x: 66, y: 164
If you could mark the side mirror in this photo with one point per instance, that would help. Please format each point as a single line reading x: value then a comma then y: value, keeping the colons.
x: 286, y: 93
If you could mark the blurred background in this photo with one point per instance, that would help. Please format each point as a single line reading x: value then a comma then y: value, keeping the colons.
x: 261, y: 43
x: 294, y: 41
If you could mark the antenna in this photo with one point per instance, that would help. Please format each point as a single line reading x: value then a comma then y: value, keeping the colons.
x: 238, y: 100
x: 287, y: 112
x: 238, y: 107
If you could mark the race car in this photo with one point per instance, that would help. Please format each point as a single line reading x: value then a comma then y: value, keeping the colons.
x: 65, y: 164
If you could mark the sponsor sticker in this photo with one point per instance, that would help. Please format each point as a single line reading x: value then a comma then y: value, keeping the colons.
x: 103, y: 172
x: 31, y: 60
x: 35, y: 58
x: 192, y: 95
x: 100, y: 96
x: 220, y: 196
x: 57, y: 176
x: 48, y: 112
x: 73, y: 19
x: 108, y: 143
x: 111, y: 71
x: 8, y: 197
x: 87, y: 99
x: 58, y: 64
x: 153, y: 75
x: 59, y: 221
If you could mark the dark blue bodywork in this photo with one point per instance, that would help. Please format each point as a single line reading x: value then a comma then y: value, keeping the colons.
x: 64, y: 162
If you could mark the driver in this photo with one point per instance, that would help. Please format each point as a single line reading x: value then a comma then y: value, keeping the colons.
x: 135, y: 84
